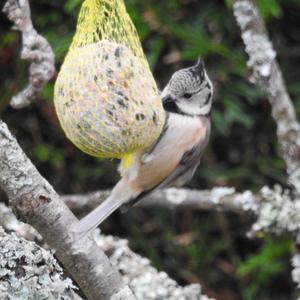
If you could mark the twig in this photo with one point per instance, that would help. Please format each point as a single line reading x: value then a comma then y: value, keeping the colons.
x: 10, y: 223
x: 276, y: 210
x: 223, y: 198
x: 35, y: 48
x: 33, y: 199
x: 267, y: 74
x: 282, y: 212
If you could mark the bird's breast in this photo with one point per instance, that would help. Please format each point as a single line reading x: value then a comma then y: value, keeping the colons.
x: 182, y: 134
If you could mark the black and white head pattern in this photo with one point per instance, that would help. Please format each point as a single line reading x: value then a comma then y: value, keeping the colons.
x: 191, y: 90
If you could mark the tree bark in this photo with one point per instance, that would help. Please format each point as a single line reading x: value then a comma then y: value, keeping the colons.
x: 266, y: 73
x: 34, y: 200
x: 35, y: 48
x: 281, y: 212
x: 218, y: 198
x: 144, y: 280
x: 28, y: 271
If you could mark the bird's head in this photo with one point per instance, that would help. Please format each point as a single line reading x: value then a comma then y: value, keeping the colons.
x: 190, y: 90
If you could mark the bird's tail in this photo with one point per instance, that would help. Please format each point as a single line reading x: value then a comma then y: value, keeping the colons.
x: 121, y: 194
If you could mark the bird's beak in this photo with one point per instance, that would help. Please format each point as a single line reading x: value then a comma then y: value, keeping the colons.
x: 167, y: 99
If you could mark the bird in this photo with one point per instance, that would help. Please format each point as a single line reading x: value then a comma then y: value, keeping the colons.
x: 174, y: 157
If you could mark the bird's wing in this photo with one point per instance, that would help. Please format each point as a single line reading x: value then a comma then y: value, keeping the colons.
x: 187, y: 165
x: 181, y: 174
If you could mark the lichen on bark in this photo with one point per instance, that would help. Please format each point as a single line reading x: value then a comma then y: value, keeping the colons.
x: 28, y: 271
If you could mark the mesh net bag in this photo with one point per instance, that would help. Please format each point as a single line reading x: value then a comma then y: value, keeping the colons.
x: 105, y: 96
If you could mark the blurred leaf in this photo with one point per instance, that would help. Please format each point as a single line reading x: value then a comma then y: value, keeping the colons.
x: 229, y: 3
x: 270, y: 9
x: 86, y: 172
x: 71, y: 5
x: 46, y: 153
x: 8, y: 38
x: 60, y: 45
x: 48, y: 91
x: 137, y: 19
x: 264, y: 265
x: 156, y: 46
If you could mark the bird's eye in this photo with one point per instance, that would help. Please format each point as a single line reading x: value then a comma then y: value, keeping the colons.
x: 187, y: 95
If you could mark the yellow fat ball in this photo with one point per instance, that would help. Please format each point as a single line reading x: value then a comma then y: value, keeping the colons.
x: 105, y: 96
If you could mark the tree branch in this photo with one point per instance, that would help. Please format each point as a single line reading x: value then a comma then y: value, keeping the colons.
x: 34, y: 48
x: 34, y: 200
x: 137, y: 272
x: 223, y: 198
x: 276, y: 209
x: 282, y: 211
x: 267, y: 74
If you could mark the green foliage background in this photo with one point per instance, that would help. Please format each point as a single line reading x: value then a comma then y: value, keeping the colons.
x: 206, y: 247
